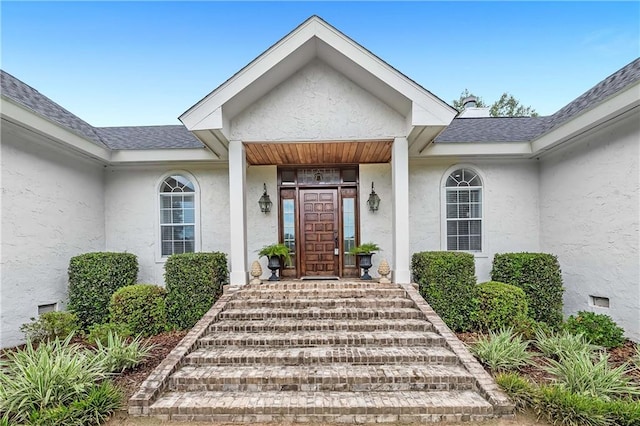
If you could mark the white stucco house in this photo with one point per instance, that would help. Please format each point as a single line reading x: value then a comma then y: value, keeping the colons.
x: 318, y: 120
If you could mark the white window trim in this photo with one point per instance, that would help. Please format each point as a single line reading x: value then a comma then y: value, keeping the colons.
x: 196, y: 199
x: 443, y: 210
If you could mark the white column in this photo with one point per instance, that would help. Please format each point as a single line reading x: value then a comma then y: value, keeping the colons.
x: 237, y: 213
x: 400, y: 183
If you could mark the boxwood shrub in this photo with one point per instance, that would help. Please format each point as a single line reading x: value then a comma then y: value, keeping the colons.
x: 538, y: 274
x: 93, y: 278
x: 500, y: 305
x: 194, y: 282
x: 140, y: 308
x: 598, y: 329
x: 447, y: 282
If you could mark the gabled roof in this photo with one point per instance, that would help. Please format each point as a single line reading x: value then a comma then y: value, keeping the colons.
x: 30, y: 98
x: 315, y: 38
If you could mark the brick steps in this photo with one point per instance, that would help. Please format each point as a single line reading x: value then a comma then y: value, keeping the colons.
x: 343, y: 407
x: 329, y: 377
x: 321, y: 293
x: 322, y: 303
x: 288, y: 325
x: 320, y: 352
x: 327, y: 338
x: 319, y: 355
x: 321, y: 314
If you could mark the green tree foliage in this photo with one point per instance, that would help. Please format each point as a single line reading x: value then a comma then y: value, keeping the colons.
x: 506, y: 106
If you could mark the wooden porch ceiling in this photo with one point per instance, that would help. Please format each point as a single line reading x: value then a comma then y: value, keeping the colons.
x: 303, y: 153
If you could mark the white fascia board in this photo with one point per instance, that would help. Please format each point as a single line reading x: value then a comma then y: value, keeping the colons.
x: 193, y: 117
x: 487, y: 149
x: 605, y: 111
x: 438, y: 110
x: 24, y: 117
x: 138, y: 156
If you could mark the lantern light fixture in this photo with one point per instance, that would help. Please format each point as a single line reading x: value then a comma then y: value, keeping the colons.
x: 265, y: 201
x: 374, y: 200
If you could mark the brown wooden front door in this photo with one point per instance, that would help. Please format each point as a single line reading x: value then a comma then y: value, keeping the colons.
x: 319, y: 225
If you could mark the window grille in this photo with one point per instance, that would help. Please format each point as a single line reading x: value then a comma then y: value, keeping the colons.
x: 463, y: 197
x: 177, y: 215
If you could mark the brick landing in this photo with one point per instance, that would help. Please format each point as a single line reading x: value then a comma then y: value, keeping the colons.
x: 321, y: 351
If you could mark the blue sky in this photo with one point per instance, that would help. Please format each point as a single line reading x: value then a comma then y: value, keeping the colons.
x: 144, y: 63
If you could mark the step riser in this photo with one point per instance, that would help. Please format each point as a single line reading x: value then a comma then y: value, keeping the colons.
x: 404, y: 385
x: 320, y: 326
x: 321, y: 315
x: 393, y: 418
x: 214, y: 359
x: 274, y: 341
x: 320, y: 303
x: 322, y: 294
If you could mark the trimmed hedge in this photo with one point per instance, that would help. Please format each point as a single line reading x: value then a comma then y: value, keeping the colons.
x: 93, y: 278
x: 500, y: 305
x: 140, y: 308
x: 538, y: 274
x: 194, y: 282
x: 447, y: 282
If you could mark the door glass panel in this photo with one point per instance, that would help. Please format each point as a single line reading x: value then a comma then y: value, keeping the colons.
x: 289, y: 228
x: 349, y: 230
x: 318, y: 176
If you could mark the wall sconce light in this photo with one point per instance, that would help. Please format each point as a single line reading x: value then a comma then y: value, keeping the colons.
x: 265, y: 201
x: 374, y: 200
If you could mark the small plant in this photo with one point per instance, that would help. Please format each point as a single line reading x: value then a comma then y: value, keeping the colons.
x: 278, y: 250
x: 502, y: 350
x: 118, y: 354
x: 50, y: 326
x: 599, y: 329
x: 364, y: 248
x: 580, y: 373
x: 53, y: 374
x: 562, y: 407
x: 100, y: 332
x: 554, y: 345
x: 635, y: 359
x: 141, y: 308
x: 521, y: 390
x: 500, y: 305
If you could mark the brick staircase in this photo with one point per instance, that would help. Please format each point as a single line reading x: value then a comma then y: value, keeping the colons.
x: 322, y: 352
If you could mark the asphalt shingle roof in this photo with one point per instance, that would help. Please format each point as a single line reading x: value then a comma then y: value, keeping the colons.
x: 490, y: 129
x: 523, y: 129
x: 148, y: 137
x: 30, y: 98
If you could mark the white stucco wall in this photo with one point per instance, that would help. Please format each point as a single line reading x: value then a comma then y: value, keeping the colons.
x: 590, y: 197
x: 132, y: 215
x: 510, y: 215
x: 52, y: 210
x: 317, y: 103
x: 262, y: 228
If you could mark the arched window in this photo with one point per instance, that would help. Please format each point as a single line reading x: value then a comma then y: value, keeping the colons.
x: 463, y: 199
x: 177, y: 215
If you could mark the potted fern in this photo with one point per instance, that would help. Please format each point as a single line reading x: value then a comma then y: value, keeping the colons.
x: 275, y: 253
x: 364, y: 252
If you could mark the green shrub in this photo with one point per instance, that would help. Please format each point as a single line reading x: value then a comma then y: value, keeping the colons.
x: 527, y: 327
x: 194, y: 282
x: 93, y: 409
x: 100, y: 332
x: 55, y: 373
x: 579, y: 373
x: 538, y: 274
x: 599, y: 329
x: 447, y: 282
x: 561, y: 407
x: 118, y: 354
x: 519, y: 389
x: 51, y: 325
x: 140, y: 308
x: 93, y: 278
x: 554, y: 345
x: 500, y: 305
x: 502, y: 350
